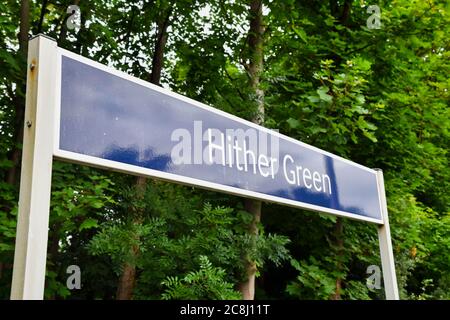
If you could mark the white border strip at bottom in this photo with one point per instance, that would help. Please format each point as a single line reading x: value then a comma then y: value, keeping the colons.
x: 132, y: 169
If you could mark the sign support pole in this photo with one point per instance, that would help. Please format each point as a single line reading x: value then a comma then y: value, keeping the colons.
x: 35, y: 182
x: 386, y: 253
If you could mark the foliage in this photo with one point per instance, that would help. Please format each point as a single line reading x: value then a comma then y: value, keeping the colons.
x: 206, y: 283
x: 379, y: 97
x: 317, y: 283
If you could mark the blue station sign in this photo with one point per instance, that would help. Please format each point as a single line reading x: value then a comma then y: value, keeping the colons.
x: 109, y: 119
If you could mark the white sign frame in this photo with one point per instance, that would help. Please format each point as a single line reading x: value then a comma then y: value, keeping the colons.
x: 146, y: 172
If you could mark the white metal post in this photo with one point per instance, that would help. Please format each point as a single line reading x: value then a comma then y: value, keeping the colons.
x: 386, y: 253
x: 35, y: 182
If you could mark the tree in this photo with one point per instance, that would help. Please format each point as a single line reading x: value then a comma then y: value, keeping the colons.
x: 311, y: 69
x: 254, y: 69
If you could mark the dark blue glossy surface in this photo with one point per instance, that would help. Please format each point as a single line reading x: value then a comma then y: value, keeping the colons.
x: 106, y: 116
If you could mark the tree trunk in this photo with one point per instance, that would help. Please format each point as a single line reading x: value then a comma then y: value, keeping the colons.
x: 41, y: 18
x: 126, y: 283
x: 128, y: 278
x: 79, y: 47
x: 345, y: 16
x: 255, y: 67
x: 339, y: 243
x: 63, y: 32
x: 344, y: 19
x: 341, y: 13
x: 247, y: 288
x: 158, y: 56
x: 24, y: 26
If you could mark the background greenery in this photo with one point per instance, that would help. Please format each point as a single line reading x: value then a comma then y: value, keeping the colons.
x: 377, y: 96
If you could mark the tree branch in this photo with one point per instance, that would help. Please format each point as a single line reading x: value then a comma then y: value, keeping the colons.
x: 41, y: 18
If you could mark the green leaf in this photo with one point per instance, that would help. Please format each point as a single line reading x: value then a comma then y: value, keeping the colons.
x: 322, y: 92
x: 301, y: 33
x: 360, y: 110
x: 97, y: 204
x: 317, y: 130
x: 88, y: 224
x: 360, y: 98
x: 293, y: 123
x: 370, y: 135
x: 313, y: 99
